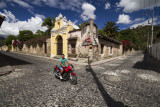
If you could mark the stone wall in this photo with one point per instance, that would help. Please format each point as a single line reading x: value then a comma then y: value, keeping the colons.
x: 132, y: 51
x: 48, y: 41
x: 4, y: 48
x: 116, y: 49
x: 41, y: 51
x: 154, y: 51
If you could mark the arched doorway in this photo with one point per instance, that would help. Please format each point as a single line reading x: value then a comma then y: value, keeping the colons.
x: 59, y: 45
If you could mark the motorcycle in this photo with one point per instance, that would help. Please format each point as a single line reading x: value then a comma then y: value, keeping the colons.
x: 67, y: 74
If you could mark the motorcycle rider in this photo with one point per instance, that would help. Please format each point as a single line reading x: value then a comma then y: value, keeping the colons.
x: 62, y: 64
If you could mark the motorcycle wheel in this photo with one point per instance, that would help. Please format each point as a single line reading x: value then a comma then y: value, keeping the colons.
x: 66, y: 76
x: 56, y: 71
x: 73, y: 79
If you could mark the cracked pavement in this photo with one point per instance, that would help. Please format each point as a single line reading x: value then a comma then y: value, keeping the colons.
x: 132, y: 80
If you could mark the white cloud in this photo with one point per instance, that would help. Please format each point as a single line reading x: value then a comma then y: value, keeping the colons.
x: 107, y: 6
x: 74, y: 24
x: 135, y: 5
x: 2, y: 4
x: 40, y: 15
x: 125, y: 19
x: 22, y: 3
x: 88, y: 11
x: 37, y: 2
x: 75, y: 21
x: 138, y: 20
x: 144, y: 23
x: 51, y: 3
x: 9, y: 16
x: 74, y: 5
x: 11, y: 25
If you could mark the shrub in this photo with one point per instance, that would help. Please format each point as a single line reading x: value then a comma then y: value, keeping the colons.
x: 20, y: 45
x: 9, y: 47
x: 36, y: 41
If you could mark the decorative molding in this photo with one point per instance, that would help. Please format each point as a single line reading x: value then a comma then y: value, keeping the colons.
x: 62, y: 32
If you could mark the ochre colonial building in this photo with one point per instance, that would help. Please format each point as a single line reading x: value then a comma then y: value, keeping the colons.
x: 59, y: 36
x: 82, y: 44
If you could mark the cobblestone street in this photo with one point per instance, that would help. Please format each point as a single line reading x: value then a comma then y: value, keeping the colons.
x: 132, y: 80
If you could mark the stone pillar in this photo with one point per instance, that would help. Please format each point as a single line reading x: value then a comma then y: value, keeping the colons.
x: 90, y: 54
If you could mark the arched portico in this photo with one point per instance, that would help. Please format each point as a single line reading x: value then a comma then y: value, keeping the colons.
x: 59, y: 45
x: 59, y: 41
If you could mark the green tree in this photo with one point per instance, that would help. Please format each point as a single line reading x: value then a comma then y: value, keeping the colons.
x: 82, y: 24
x: 9, y: 39
x: 25, y: 35
x: 49, y: 23
x: 2, y: 42
x: 40, y: 33
x: 137, y: 40
x: 111, y: 29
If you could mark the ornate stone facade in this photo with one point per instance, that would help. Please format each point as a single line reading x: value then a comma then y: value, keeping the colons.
x: 90, y: 46
x: 59, y: 36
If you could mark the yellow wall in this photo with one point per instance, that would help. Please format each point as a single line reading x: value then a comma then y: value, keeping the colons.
x: 56, y: 24
x: 64, y: 36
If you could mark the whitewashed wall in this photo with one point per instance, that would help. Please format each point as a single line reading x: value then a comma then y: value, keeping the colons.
x: 155, y: 51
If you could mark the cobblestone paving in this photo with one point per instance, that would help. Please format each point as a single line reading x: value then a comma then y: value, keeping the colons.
x: 132, y: 80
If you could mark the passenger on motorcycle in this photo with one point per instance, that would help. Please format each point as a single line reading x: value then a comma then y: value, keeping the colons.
x: 62, y: 64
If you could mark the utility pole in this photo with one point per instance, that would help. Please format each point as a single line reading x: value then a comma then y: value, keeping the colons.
x: 148, y: 41
x: 152, y: 27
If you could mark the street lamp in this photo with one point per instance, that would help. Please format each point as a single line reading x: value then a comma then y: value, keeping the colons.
x: 1, y: 19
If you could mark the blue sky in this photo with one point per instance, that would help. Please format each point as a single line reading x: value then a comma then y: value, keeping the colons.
x: 29, y: 14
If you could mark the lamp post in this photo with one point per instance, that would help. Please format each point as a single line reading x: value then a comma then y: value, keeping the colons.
x: 1, y: 19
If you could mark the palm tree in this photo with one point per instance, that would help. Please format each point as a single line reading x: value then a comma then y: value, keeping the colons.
x: 111, y: 29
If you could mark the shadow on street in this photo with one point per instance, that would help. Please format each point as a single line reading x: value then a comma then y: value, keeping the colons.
x: 147, y: 63
x: 107, y: 98
x: 5, y: 60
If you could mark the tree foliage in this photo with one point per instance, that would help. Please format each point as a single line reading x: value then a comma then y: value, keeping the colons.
x: 40, y: 33
x: 9, y: 47
x: 140, y: 36
x: 49, y: 23
x: 130, y: 35
x: 9, y: 39
x: 111, y: 29
x: 25, y: 35
x: 2, y: 42
x: 36, y: 41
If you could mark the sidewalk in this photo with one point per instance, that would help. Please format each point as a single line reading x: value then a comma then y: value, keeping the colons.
x: 75, y: 62
x: 5, y: 68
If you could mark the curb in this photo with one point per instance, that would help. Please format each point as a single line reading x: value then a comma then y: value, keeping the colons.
x: 77, y: 63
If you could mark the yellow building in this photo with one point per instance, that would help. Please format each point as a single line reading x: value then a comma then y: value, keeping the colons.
x: 59, y: 36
